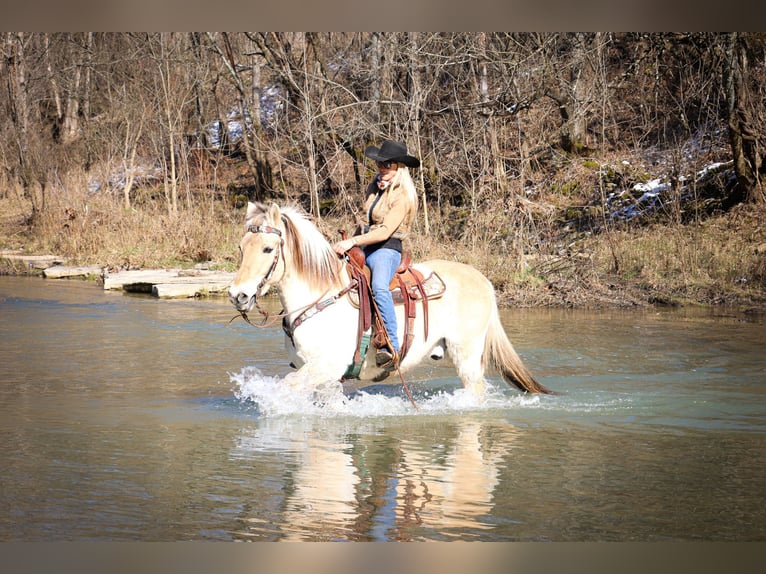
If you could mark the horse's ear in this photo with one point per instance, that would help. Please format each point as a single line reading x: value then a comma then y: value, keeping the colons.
x: 274, y: 215
x: 254, y: 209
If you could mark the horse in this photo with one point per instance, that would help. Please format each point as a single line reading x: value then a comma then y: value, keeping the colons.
x: 284, y: 249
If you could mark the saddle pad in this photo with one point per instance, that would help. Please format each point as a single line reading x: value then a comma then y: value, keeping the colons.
x: 433, y: 285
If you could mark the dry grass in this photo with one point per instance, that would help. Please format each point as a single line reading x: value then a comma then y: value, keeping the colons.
x: 718, y: 260
x: 91, y: 229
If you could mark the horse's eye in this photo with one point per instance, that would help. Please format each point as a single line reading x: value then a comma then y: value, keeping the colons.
x: 268, y: 249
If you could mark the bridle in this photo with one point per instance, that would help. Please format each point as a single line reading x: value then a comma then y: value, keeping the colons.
x: 267, y: 320
x: 278, y: 232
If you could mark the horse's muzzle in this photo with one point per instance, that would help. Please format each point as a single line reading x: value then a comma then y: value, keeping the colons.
x: 242, y: 301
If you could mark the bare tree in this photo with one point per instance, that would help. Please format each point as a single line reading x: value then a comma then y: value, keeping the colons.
x: 491, y: 115
x: 416, y: 113
x: 744, y: 111
x: 173, y: 95
x: 28, y: 170
x: 249, y: 110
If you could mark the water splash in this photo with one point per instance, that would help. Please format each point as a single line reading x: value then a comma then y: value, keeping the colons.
x: 273, y: 397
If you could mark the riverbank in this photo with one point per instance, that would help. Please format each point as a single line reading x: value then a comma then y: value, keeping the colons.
x: 575, y: 283
x: 719, y: 260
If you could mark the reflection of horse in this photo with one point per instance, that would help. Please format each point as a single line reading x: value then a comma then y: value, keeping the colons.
x: 282, y: 247
x: 454, y: 487
x: 365, y: 485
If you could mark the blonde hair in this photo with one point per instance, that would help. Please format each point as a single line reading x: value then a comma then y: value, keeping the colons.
x: 404, y: 180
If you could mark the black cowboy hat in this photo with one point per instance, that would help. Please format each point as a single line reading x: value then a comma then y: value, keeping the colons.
x: 392, y: 151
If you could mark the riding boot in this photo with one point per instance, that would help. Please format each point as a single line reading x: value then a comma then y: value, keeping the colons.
x: 386, y: 359
x: 383, y: 354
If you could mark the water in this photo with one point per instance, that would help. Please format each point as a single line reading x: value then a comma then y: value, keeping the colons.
x: 129, y: 418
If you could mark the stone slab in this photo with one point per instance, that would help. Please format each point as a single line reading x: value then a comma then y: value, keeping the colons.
x: 62, y: 271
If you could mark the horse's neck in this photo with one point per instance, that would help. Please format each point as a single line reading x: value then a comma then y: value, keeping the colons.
x: 295, y: 292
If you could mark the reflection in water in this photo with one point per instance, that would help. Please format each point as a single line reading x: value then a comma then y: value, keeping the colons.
x: 370, y: 486
x: 128, y: 418
x: 451, y: 487
x: 320, y: 498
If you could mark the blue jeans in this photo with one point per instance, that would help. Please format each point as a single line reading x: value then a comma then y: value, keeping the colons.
x: 383, y: 263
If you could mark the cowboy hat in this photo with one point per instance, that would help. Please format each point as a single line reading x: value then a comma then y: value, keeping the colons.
x: 392, y: 151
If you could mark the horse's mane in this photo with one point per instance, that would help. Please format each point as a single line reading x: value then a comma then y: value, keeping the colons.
x: 312, y: 254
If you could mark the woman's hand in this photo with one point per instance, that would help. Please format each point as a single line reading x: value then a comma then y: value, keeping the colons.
x: 344, y: 245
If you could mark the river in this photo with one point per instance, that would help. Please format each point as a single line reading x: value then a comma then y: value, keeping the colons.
x: 128, y: 418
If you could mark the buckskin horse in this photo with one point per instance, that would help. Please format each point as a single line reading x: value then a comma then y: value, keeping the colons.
x: 283, y: 248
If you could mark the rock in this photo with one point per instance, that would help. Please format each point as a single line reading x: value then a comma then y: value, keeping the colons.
x: 61, y: 271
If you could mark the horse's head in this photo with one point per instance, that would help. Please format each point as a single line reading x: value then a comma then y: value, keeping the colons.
x: 262, y: 262
x: 283, y: 246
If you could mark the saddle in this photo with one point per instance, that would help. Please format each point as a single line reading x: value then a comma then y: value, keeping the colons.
x: 408, y: 286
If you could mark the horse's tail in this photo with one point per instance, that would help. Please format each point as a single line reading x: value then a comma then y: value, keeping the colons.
x: 500, y: 354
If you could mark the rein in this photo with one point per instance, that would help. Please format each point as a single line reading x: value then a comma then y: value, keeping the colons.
x: 312, y: 309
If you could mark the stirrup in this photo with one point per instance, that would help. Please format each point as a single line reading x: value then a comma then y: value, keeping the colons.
x: 385, y: 359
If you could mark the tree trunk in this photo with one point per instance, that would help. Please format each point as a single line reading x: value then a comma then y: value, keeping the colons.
x: 375, y: 82
x: 129, y: 157
x: 491, y: 135
x: 385, y: 47
x: 256, y: 163
x: 87, y: 83
x: 71, y: 126
x: 200, y: 120
x: 309, y: 121
x: 748, y: 161
x: 19, y: 104
x: 416, y: 103
x: 55, y: 91
x: 582, y: 89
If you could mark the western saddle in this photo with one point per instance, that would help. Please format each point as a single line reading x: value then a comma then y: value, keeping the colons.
x: 407, y: 287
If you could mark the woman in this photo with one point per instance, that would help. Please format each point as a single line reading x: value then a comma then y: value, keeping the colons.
x: 391, y: 207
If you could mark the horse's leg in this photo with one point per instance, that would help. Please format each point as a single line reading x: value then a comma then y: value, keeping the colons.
x: 312, y: 373
x: 467, y: 311
x: 467, y: 358
x: 475, y: 336
x: 295, y: 360
x: 437, y: 352
x: 460, y: 318
x: 322, y: 347
x: 306, y: 377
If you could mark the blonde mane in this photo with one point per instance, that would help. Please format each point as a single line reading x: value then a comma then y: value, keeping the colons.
x: 313, y: 258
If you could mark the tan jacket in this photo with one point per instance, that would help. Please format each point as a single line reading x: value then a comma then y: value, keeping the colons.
x: 392, y: 215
